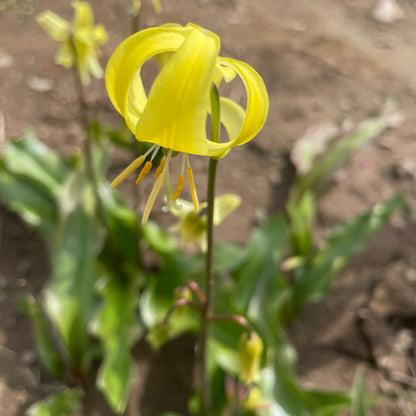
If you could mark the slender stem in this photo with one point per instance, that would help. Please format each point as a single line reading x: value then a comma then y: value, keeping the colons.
x: 86, y: 122
x: 135, y: 10
x: 194, y: 287
x: 205, y: 381
x: 240, y: 320
x: 178, y: 304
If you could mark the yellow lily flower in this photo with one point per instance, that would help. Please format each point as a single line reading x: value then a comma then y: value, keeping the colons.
x: 173, y: 116
x: 82, y: 35
x: 192, y: 226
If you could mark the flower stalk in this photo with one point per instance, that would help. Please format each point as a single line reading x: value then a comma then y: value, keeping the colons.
x: 86, y: 122
x: 205, y: 381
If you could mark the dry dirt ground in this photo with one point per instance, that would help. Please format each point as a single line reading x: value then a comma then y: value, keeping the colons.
x: 321, y: 60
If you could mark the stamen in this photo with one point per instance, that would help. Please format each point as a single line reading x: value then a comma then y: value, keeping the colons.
x: 193, y: 190
x: 152, y: 197
x: 144, y: 171
x: 179, y: 187
x: 126, y: 172
x: 154, y: 152
x: 161, y: 166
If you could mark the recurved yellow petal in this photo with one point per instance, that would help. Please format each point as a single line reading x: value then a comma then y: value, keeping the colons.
x: 56, y: 27
x: 257, y: 100
x: 122, y: 75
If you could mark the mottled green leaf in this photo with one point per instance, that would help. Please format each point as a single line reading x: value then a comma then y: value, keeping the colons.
x: 70, y: 297
x: 116, y: 325
x: 45, y: 340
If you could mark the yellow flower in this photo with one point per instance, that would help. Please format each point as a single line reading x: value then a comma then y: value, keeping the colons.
x: 192, y: 226
x: 82, y: 35
x: 174, y: 115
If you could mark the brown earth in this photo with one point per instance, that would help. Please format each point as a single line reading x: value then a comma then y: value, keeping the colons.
x: 321, y: 60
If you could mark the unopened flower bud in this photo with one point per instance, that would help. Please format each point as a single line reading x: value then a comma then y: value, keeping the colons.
x: 250, y: 349
x: 254, y: 399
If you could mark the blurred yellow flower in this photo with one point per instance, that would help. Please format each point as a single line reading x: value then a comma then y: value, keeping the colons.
x: 173, y: 116
x: 192, y: 226
x: 82, y: 35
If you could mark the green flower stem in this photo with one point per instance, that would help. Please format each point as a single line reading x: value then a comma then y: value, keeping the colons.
x: 85, y: 119
x: 205, y: 381
x: 135, y: 21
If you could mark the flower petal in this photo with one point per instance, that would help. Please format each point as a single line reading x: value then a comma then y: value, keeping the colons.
x: 56, y: 27
x: 122, y: 75
x: 84, y: 16
x: 257, y: 100
x: 232, y: 117
x: 224, y: 205
x: 175, y: 114
x: 65, y: 56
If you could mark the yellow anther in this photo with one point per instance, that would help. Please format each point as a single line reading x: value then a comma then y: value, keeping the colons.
x: 146, y: 169
x: 126, y: 172
x: 160, y: 167
x: 179, y: 187
x: 193, y: 190
x: 152, y: 197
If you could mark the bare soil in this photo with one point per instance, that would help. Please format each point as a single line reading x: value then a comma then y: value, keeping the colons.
x: 321, y: 60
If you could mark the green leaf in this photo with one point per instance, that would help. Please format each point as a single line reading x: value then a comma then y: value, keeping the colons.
x: 227, y: 256
x: 155, y: 303
x: 31, y: 158
x: 223, y: 346
x: 324, y: 403
x: 159, y: 240
x: 45, y: 341
x: 70, y: 297
x: 347, y: 240
x: 261, y: 264
x: 36, y: 206
x: 122, y: 243
x: 116, y: 325
x: 339, y: 153
x: 358, y: 395
x: 31, y: 178
x: 302, y: 214
x: 65, y: 403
